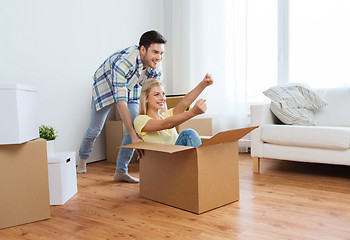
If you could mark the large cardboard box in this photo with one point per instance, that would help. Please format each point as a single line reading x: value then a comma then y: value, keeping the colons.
x: 19, y: 114
x: 62, y: 177
x: 115, y: 131
x: 194, y: 179
x: 24, y: 185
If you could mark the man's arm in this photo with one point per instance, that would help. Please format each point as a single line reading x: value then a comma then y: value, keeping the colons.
x: 126, y: 118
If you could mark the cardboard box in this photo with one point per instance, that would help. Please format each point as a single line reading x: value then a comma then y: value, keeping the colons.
x: 173, y: 100
x: 205, y: 138
x: 115, y: 131
x: 19, y: 114
x: 24, y: 183
x: 194, y: 179
x: 62, y: 177
x: 203, y: 126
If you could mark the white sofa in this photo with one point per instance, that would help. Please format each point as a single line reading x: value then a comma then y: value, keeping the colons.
x: 327, y: 142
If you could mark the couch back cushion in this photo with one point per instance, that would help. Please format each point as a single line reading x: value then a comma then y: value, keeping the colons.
x: 337, y: 112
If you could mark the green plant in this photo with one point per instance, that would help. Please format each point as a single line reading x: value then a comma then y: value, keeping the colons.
x: 47, y: 132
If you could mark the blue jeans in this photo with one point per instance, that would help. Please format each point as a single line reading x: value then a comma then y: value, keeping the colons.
x: 97, y: 121
x: 125, y: 154
x: 189, y: 137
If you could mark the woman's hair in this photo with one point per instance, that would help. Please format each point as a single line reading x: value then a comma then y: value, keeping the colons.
x: 146, y: 88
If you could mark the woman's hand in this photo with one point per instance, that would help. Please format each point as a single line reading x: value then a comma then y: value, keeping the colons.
x: 199, y: 107
x: 207, y: 80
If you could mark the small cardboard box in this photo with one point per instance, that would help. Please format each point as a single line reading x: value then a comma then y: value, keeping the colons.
x: 115, y: 131
x: 194, y: 179
x: 19, y: 114
x: 62, y: 177
x: 203, y: 126
x: 24, y: 183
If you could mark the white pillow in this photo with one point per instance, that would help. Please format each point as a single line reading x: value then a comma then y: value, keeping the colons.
x: 293, y: 116
x: 292, y: 103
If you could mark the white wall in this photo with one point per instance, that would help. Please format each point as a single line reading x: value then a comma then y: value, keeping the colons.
x: 57, y: 45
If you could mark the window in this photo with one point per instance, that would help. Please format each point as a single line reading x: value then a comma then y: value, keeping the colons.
x: 297, y: 41
x: 261, y: 47
x: 319, y: 42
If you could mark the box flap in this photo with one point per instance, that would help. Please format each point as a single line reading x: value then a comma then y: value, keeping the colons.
x: 167, y: 148
x: 228, y: 136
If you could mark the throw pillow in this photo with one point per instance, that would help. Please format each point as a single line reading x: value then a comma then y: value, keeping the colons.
x: 293, y: 116
x: 293, y: 103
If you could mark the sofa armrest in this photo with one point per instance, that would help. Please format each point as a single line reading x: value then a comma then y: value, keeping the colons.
x: 260, y: 115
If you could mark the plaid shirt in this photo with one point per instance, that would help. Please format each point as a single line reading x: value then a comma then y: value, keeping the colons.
x: 118, y: 78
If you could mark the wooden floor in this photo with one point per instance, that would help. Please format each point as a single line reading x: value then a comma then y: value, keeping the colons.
x: 288, y: 200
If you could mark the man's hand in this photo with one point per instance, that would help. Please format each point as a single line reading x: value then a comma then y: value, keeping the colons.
x: 139, y: 152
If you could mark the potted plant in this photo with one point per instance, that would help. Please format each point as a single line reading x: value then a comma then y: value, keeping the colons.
x: 48, y: 133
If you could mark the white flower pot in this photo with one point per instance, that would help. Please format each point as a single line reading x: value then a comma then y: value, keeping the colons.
x: 50, y: 145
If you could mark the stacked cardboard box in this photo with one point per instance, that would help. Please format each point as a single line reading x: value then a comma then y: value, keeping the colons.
x: 23, y: 158
x: 24, y: 183
x: 19, y: 113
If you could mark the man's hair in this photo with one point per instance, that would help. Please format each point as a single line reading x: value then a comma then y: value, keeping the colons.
x: 151, y: 37
x: 146, y: 88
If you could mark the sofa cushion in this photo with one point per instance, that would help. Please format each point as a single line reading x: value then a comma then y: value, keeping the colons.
x: 303, y: 136
x: 292, y: 103
x: 336, y: 113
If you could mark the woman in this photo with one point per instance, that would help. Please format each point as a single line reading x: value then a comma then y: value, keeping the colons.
x: 156, y: 124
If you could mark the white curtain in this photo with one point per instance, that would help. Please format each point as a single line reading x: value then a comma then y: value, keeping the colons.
x: 210, y: 36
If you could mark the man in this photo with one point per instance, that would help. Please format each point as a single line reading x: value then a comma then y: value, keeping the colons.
x: 118, y: 81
